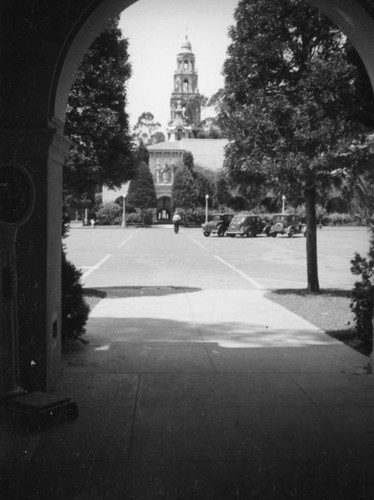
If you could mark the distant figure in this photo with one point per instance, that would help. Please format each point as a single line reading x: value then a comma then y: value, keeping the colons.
x: 92, y: 222
x: 176, y: 221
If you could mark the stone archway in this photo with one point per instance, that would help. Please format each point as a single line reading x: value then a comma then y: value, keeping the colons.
x: 42, y: 45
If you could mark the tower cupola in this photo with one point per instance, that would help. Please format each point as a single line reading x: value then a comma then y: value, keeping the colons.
x: 185, y: 101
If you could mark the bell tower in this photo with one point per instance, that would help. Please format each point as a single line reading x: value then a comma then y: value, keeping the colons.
x: 185, y: 101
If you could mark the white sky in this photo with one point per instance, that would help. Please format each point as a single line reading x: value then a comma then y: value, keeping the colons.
x: 156, y: 30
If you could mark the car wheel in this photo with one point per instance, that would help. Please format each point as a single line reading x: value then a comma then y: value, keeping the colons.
x: 254, y: 234
x: 291, y: 232
x: 206, y: 233
x: 274, y: 235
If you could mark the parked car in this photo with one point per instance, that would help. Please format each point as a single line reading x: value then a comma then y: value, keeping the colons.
x: 217, y: 225
x: 288, y: 224
x: 245, y: 224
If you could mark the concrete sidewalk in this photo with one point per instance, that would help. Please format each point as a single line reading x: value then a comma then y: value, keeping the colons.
x: 186, y: 393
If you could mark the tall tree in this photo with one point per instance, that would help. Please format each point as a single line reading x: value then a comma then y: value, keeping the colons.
x: 141, y: 193
x: 288, y: 105
x: 185, y: 193
x: 222, y: 194
x: 206, y: 182
x: 96, y: 121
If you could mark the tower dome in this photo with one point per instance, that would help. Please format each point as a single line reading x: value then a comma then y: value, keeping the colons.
x: 186, y: 46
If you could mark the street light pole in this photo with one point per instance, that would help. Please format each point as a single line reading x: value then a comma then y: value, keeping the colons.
x: 206, y: 208
x: 283, y: 204
x: 123, y: 212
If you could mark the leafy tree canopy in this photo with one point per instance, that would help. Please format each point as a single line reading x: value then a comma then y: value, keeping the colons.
x: 289, y: 97
x: 141, y: 193
x: 96, y: 121
x: 148, y: 130
x: 289, y: 105
x: 185, y: 193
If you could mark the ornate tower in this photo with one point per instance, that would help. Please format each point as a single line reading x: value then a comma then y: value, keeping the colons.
x: 185, y: 101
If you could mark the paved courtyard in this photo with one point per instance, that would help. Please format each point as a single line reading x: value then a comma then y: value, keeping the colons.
x: 195, y: 386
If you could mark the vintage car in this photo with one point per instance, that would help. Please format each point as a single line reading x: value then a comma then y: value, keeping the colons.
x: 288, y: 224
x: 245, y: 224
x: 217, y: 225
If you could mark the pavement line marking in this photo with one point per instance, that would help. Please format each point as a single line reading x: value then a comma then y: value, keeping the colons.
x: 125, y: 241
x: 197, y: 242
x: 96, y: 266
x: 243, y: 275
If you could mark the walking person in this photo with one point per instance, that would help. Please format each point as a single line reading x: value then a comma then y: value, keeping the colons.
x: 176, y: 221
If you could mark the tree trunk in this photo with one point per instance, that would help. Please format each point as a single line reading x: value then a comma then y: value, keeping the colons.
x: 311, y: 239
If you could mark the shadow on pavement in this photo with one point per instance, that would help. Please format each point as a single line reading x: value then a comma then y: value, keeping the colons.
x: 137, y: 291
x: 192, y: 411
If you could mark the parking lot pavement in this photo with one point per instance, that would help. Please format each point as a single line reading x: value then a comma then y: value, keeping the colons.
x: 156, y: 256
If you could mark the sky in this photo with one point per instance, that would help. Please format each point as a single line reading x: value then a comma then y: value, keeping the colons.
x: 156, y: 30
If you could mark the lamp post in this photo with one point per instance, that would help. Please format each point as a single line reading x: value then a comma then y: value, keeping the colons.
x: 123, y: 225
x: 283, y: 204
x: 206, y: 208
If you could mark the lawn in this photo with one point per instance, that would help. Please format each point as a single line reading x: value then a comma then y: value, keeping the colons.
x: 328, y: 310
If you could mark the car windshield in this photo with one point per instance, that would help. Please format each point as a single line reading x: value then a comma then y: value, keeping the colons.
x: 238, y: 219
x: 281, y: 218
x: 217, y: 217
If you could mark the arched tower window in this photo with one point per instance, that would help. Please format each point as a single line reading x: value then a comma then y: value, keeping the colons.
x: 185, y: 85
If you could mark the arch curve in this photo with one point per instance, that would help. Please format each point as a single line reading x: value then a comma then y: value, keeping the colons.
x: 90, y: 24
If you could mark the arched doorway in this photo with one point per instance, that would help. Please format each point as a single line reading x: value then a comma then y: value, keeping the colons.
x: 164, y: 209
x: 42, y: 46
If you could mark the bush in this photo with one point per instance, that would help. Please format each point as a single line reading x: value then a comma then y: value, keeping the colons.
x: 74, y: 309
x: 362, y: 295
x: 134, y: 218
x: 140, y: 217
x: 147, y: 216
x: 109, y: 214
x: 338, y: 219
x: 192, y: 216
x: 195, y: 216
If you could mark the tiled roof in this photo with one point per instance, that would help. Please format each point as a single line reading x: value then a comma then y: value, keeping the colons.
x: 208, y: 153
x: 165, y: 146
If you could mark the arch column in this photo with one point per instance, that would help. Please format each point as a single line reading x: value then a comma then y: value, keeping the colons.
x: 38, y: 252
